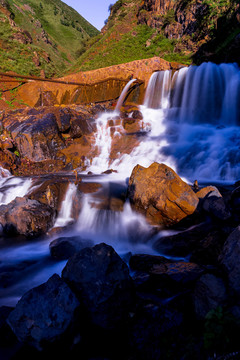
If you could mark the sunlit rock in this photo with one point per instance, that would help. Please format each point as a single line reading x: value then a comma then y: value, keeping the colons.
x: 159, y: 192
x: 26, y: 217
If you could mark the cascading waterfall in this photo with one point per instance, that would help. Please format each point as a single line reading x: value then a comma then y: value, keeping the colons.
x: 158, y: 91
x: 190, y: 122
x: 202, y: 123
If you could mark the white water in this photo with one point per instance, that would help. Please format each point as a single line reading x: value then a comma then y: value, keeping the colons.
x: 125, y: 230
x: 190, y: 122
x: 123, y: 95
x: 158, y: 91
x: 65, y: 213
x: 12, y: 187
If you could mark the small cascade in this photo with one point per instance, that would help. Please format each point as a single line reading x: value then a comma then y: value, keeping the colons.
x: 123, y: 95
x: 125, y: 230
x: 103, y: 142
x: 158, y: 91
x: 12, y: 187
x: 64, y: 216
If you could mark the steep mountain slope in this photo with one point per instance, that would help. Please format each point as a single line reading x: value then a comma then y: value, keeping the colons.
x: 40, y: 37
x: 175, y: 30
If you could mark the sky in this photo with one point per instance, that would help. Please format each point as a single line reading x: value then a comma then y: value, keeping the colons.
x: 94, y: 11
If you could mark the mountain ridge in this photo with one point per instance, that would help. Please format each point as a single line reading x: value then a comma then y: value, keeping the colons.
x: 185, y: 31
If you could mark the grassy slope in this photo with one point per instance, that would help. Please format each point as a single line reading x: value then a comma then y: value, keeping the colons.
x: 65, y: 28
x: 126, y: 40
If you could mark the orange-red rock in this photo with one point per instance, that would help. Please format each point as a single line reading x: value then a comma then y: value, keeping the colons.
x: 161, y: 194
x: 98, y: 85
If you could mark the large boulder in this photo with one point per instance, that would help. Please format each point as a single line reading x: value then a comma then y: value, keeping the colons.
x: 27, y: 217
x: 44, y: 314
x: 214, y: 204
x: 229, y: 258
x: 102, y: 282
x: 38, y: 138
x: 161, y: 194
x: 210, y: 293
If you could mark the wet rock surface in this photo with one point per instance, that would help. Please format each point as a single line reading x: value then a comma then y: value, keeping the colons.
x: 26, y: 217
x: 160, y: 194
x: 65, y: 247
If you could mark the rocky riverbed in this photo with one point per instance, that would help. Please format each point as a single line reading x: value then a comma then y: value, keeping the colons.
x: 179, y: 300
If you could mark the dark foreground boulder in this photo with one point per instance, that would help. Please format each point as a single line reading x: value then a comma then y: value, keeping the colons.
x: 155, y: 331
x: 102, y: 282
x: 65, y: 247
x: 229, y: 258
x: 44, y: 314
x: 161, y: 194
x: 26, y: 217
x: 210, y: 293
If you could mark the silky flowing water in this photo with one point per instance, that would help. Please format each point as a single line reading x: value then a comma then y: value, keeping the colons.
x: 190, y: 122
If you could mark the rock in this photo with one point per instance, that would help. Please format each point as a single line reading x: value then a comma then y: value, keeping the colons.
x: 229, y: 258
x: 210, y: 292
x: 50, y: 192
x: 8, y: 339
x: 65, y: 247
x: 214, y: 204
x: 37, y: 138
x: 102, y: 283
x: 204, y: 192
x: 208, y: 249
x: 44, y: 314
x: 153, y: 327
x: 182, y: 243
x: 64, y: 120
x: 145, y: 263
x: 162, y: 270
x: 26, y: 217
x: 80, y: 126
x: 160, y: 194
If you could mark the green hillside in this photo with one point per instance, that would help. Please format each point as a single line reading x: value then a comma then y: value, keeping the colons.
x: 184, y: 31
x: 38, y: 37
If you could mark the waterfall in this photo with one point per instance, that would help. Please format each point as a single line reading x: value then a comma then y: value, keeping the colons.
x: 124, y: 230
x: 190, y: 122
x: 12, y: 187
x: 103, y: 142
x: 158, y: 91
x: 201, y: 121
x: 64, y: 216
x: 123, y: 95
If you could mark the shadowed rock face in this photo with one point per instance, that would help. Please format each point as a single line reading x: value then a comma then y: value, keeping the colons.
x: 102, y: 282
x: 44, y: 313
x: 161, y: 194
